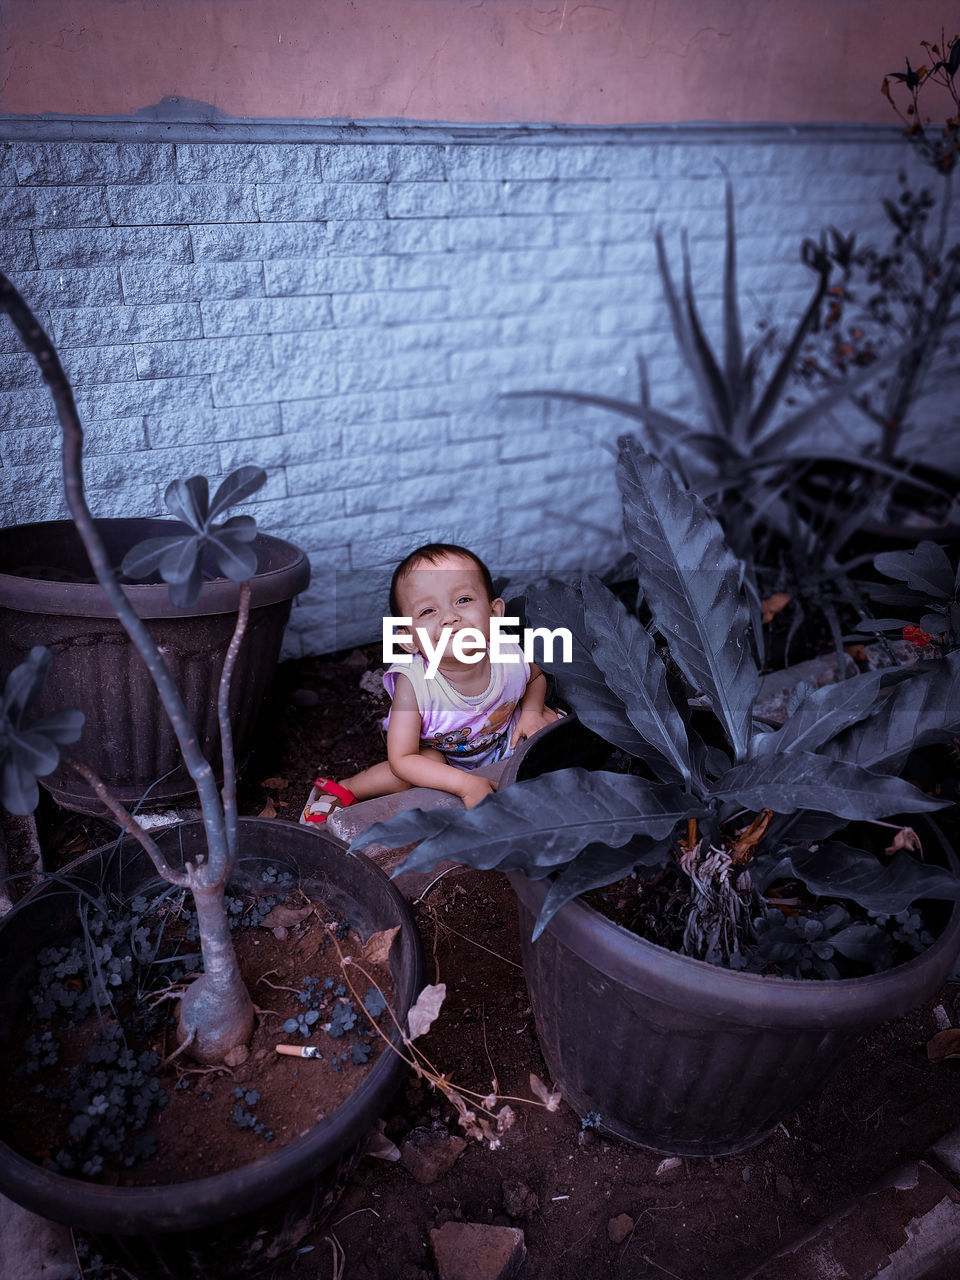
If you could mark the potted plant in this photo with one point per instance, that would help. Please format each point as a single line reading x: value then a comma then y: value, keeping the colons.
x: 52, y: 599
x: 215, y: 1015
x: 753, y: 454
x: 739, y: 853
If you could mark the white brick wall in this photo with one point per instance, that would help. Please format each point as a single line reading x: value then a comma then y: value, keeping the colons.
x: 347, y: 316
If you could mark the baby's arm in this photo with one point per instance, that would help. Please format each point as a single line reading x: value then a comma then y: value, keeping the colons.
x: 533, y: 714
x: 425, y: 768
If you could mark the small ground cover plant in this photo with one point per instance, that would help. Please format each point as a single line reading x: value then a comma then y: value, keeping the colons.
x: 923, y: 587
x: 735, y: 838
x: 92, y: 1076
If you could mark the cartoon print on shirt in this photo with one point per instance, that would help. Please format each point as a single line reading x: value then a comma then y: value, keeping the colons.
x: 455, y: 741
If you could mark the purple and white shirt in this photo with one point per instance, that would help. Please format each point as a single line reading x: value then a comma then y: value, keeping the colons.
x: 470, y: 730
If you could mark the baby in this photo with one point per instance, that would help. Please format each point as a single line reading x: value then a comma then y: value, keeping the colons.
x: 443, y: 728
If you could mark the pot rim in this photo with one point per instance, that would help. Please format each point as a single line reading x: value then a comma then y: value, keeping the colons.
x: 199, y: 1202
x: 729, y: 993
x: 151, y: 600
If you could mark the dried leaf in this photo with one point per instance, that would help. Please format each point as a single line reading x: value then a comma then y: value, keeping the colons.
x: 945, y: 1044
x: 310, y: 943
x: 372, y: 682
x: 550, y: 1100
x: 378, y: 1145
x: 277, y: 784
x: 376, y: 949
x: 424, y: 1011
x: 506, y: 1118
x: 282, y: 917
x: 906, y: 838
x: 773, y: 604
x: 749, y: 837
x: 269, y: 810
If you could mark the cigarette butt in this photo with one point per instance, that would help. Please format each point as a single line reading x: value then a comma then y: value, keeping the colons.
x: 299, y: 1051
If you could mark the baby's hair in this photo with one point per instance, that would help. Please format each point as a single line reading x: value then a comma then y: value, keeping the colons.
x: 432, y: 552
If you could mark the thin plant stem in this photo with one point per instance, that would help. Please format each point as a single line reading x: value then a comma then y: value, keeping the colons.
x: 42, y: 349
x: 428, y: 1069
x: 129, y: 824
x: 229, y: 791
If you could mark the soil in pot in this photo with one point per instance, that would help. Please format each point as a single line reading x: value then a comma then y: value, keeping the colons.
x: 95, y: 1088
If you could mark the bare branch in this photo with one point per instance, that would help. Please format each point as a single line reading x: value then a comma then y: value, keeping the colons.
x: 40, y: 346
x: 130, y: 825
x: 229, y: 791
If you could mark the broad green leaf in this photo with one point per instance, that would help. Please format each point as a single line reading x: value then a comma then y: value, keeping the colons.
x: 237, y: 486
x: 540, y: 823
x: 691, y: 580
x: 595, y: 866
x: 184, y: 595
x: 866, y: 944
x: 29, y: 750
x: 926, y: 569
x: 25, y: 683
x: 180, y: 559
x: 821, y: 715
x: 188, y: 500
x: 801, y: 780
x: 920, y: 710
x: 144, y: 558
x: 580, y: 681
x: 240, y: 528
x: 19, y: 792
x: 236, y: 560
x: 34, y: 752
x: 62, y: 726
x: 626, y: 655
x: 837, y: 871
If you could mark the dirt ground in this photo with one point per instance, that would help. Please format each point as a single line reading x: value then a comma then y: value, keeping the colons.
x: 564, y: 1185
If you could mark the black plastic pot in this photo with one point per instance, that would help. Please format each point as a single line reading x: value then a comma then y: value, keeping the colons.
x: 677, y: 1055
x: 226, y: 1225
x: 48, y: 597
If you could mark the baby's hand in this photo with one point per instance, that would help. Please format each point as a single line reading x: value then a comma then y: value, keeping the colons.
x: 530, y: 721
x: 475, y: 788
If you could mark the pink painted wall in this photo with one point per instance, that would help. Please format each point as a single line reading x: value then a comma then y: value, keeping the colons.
x: 622, y: 61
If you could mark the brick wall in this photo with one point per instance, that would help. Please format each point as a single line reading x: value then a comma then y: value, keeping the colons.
x: 346, y: 316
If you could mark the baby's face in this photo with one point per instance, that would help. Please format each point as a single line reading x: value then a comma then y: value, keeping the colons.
x: 447, y: 593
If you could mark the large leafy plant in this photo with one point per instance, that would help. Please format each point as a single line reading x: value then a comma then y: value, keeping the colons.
x: 216, y: 1014
x: 728, y: 804
x: 749, y: 447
